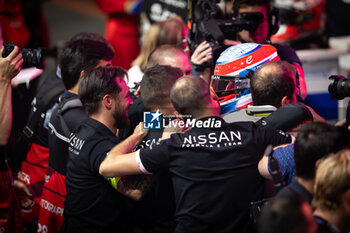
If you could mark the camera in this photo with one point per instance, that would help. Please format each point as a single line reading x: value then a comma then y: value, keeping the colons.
x: 31, y: 57
x: 209, y: 23
x: 339, y: 88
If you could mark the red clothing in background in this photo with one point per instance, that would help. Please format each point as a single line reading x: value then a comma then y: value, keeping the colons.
x: 121, y: 30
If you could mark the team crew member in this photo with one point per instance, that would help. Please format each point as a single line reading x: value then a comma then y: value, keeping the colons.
x: 272, y: 86
x: 77, y: 56
x: 162, y: 55
x: 92, y: 204
x: 155, y: 212
x: 206, y: 163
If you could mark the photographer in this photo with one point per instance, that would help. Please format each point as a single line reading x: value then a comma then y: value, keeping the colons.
x: 339, y: 89
x: 253, y: 21
x: 9, y: 68
x: 268, y: 26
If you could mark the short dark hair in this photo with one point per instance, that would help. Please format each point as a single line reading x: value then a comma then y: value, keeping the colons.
x: 98, y: 82
x: 190, y: 95
x: 156, y: 85
x: 91, y: 36
x: 271, y: 82
x: 283, y: 215
x: 82, y: 54
x: 314, y: 141
x: 238, y: 4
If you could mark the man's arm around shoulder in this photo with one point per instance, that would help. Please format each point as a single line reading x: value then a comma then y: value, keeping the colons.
x: 119, y: 161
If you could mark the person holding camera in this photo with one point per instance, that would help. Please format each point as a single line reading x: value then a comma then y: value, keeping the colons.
x: 267, y: 26
x: 254, y: 21
x: 9, y: 68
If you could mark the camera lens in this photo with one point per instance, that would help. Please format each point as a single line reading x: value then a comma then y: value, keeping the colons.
x: 31, y: 57
x: 340, y: 87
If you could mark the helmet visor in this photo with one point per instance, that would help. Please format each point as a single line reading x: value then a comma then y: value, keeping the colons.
x: 226, y: 85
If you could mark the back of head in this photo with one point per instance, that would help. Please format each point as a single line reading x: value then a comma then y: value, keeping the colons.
x: 82, y: 54
x: 190, y: 95
x: 91, y: 36
x: 314, y: 141
x: 271, y: 82
x: 287, y: 215
x: 156, y: 84
x: 238, y: 4
x: 172, y: 31
x: 332, y: 181
x: 163, y: 54
x: 98, y: 82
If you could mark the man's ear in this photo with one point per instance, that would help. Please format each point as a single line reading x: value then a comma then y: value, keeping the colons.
x: 285, y: 101
x: 317, y: 163
x: 137, y: 93
x: 81, y: 73
x: 107, y: 101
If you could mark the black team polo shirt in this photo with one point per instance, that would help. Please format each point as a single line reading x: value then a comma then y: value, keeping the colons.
x: 92, y: 204
x: 214, y: 173
x: 154, y: 213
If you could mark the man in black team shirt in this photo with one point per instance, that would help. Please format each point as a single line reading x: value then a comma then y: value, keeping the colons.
x: 92, y: 204
x: 89, y: 50
x: 163, y: 55
x: 155, y: 212
x: 213, y: 166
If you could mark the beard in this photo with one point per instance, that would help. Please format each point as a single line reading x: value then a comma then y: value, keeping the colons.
x: 121, y: 119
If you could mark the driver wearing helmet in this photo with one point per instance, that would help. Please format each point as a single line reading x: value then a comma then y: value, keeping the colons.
x: 251, y: 82
x: 232, y: 71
